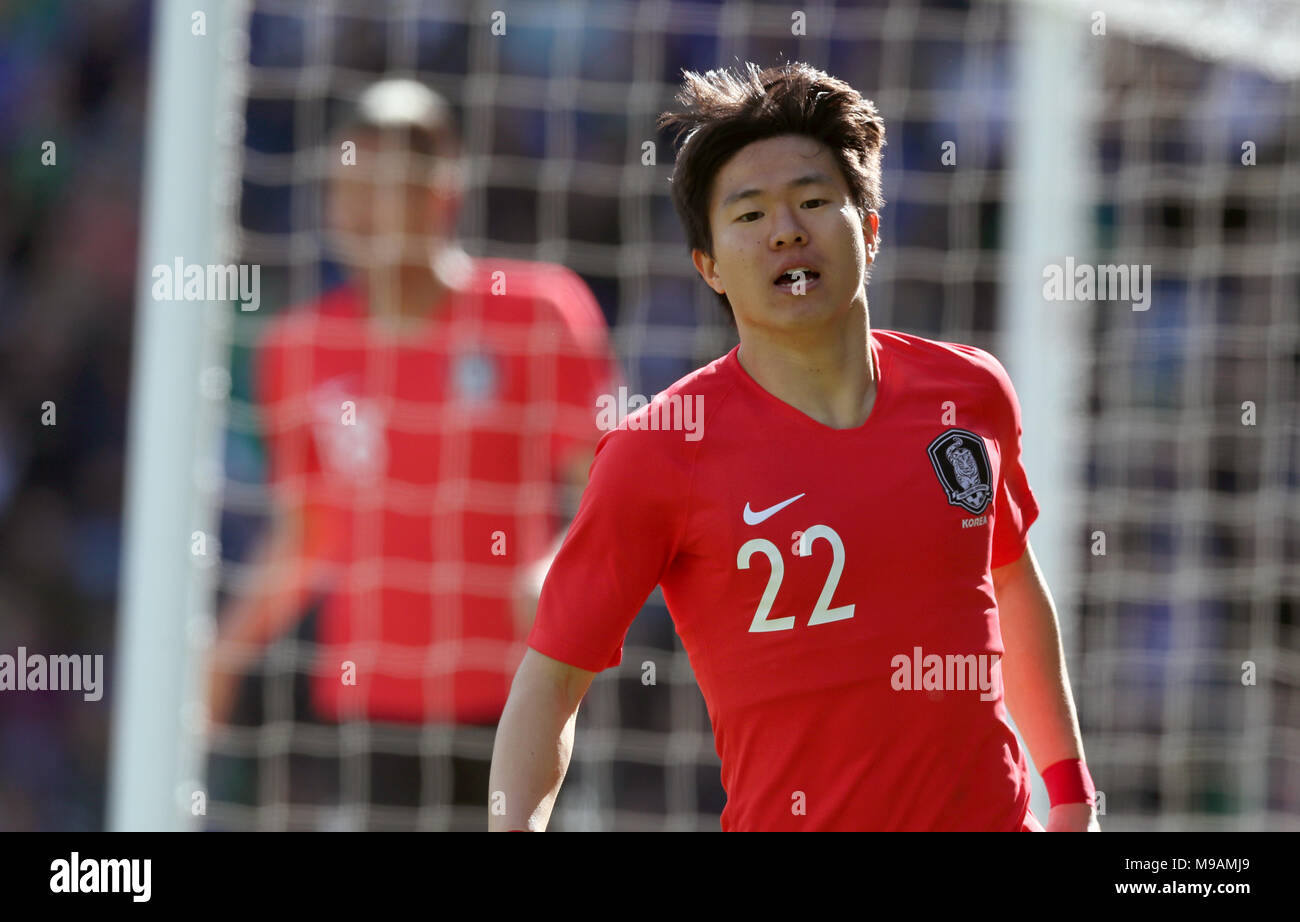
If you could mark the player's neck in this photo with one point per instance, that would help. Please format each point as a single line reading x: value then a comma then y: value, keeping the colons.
x: 831, y: 378
x: 414, y: 293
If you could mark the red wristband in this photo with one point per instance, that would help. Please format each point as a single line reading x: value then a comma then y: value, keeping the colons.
x: 1068, y: 782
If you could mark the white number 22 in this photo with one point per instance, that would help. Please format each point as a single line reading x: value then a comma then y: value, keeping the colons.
x: 822, y: 612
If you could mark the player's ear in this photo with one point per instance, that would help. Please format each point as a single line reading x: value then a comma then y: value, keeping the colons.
x: 871, y: 231
x: 707, y: 267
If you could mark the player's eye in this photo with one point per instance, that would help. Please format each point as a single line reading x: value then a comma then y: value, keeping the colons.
x: 747, y: 214
x: 814, y: 202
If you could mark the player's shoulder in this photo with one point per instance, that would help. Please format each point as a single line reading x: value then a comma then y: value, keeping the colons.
x: 715, y: 378
x: 706, y: 388
x: 958, y: 363
x: 524, y: 290
x: 522, y: 275
x: 953, y: 367
x: 668, y: 429
x: 333, y: 313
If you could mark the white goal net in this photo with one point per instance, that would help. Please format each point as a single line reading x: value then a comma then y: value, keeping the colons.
x: 1180, y: 511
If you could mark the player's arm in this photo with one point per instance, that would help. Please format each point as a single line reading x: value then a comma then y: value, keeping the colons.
x: 283, y: 567
x: 534, y: 742
x: 283, y: 580
x: 1035, y: 677
x: 620, y: 545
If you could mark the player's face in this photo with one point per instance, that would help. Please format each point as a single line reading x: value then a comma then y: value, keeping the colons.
x: 782, y: 203
x: 381, y: 209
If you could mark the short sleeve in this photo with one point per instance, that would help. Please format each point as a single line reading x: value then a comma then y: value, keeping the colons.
x: 1015, y: 507
x: 585, y: 367
x: 617, y: 550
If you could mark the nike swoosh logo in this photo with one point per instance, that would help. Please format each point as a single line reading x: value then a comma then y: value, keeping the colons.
x: 753, y: 518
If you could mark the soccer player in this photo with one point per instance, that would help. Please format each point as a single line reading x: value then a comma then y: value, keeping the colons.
x: 422, y: 422
x: 843, y: 548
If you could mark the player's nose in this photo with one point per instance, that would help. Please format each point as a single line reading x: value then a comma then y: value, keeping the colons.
x: 787, y: 231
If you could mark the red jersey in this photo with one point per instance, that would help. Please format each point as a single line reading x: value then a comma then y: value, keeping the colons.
x: 815, y: 576
x: 433, y: 457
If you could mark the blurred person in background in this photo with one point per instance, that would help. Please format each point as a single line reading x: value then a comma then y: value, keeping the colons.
x: 422, y: 421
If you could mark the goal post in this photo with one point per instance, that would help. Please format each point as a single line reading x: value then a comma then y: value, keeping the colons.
x: 172, y: 466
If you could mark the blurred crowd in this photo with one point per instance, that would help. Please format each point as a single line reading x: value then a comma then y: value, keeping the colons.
x: 72, y: 75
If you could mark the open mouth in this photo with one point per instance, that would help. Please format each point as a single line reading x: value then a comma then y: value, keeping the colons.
x: 791, y: 277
